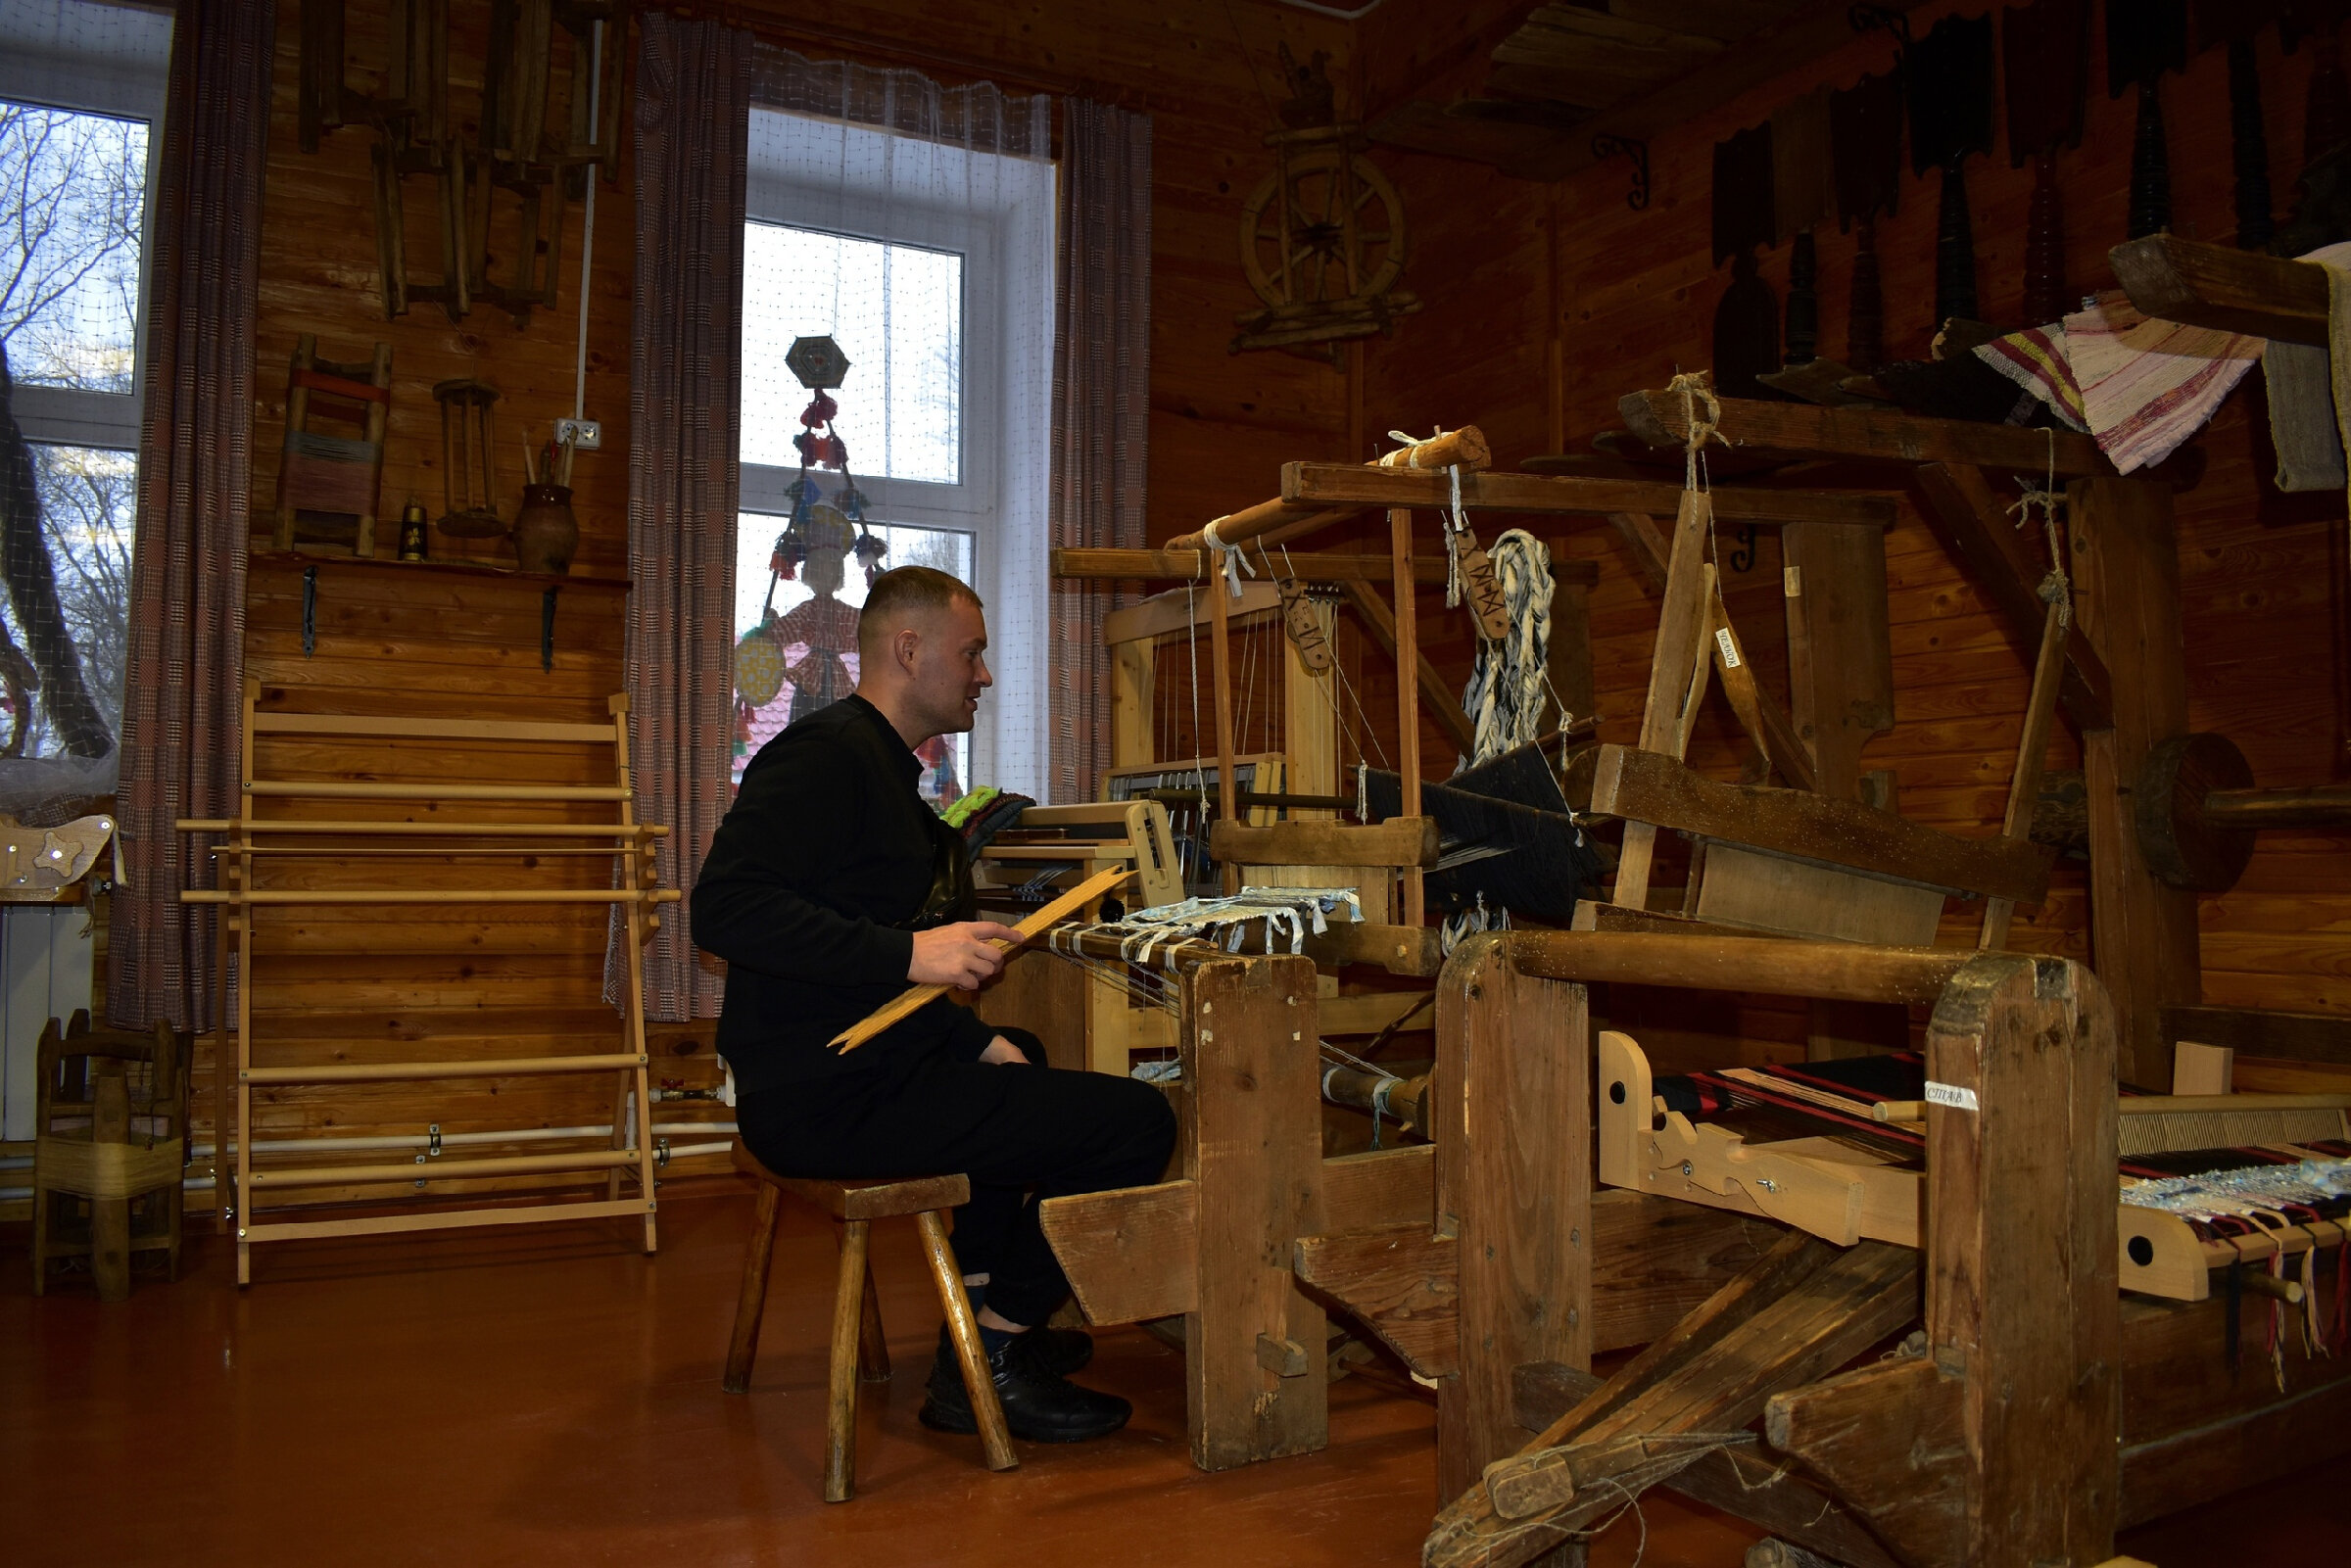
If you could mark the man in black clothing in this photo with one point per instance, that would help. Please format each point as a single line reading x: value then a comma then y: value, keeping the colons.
x: 830, y: 887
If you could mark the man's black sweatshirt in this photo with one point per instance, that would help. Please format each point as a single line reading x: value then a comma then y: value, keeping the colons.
x: 828, y: 852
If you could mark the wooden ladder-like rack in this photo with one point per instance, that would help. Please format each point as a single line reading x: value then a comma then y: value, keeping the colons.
x: 309, y: 825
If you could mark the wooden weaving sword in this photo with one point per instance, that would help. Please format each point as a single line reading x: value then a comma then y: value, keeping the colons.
x: 920, y: 996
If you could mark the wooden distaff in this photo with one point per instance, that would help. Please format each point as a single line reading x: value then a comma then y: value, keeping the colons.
x: 915, y: 997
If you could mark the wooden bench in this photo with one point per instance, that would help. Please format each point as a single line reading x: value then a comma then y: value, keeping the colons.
x: 858, y: 1352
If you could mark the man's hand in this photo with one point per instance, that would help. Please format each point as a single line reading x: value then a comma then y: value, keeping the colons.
x: 961, y: 955
x: 1001, y: 1052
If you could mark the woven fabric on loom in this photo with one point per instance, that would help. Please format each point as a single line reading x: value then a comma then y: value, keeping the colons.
x: 2148, y: 384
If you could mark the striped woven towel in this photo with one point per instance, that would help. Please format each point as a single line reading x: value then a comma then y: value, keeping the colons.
x: 2148, y: 384
x: 2035, y: 359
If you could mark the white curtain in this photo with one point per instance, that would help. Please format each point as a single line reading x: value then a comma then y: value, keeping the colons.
x: 914, y: 224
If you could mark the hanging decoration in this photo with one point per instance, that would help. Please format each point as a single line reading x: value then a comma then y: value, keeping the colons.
x: 817, y: 539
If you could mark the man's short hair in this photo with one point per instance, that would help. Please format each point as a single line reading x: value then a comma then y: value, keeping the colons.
x: 899, y: 597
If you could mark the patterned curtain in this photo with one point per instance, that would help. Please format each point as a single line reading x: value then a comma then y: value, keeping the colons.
x: 1101, y: 410
x: 185, y: 670
x: 693, y: 95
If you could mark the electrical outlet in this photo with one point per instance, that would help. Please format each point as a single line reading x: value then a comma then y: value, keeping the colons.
x: 585, y: 434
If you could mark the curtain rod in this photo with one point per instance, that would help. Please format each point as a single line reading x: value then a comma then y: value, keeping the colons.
x: 874, y: 49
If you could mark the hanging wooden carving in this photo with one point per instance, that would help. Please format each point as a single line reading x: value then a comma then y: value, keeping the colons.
x: 1323, y: 238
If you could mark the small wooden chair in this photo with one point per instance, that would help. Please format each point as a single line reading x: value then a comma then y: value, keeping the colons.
x: 85, y: 1152
x: 858, y: 1352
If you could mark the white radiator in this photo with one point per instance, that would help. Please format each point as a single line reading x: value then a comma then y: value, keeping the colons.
x: 45, y: 952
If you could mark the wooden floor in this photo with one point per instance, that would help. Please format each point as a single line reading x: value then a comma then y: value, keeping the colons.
x: 548, y: 1396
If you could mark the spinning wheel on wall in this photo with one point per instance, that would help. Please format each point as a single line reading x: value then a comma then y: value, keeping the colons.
x: 1324, y: 227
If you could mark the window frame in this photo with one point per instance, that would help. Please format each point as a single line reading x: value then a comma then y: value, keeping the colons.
x: 83, y: 84
x: 975, y: 504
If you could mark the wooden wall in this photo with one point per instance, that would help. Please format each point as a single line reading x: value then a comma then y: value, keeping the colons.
x: 1508, y: 269
x: 447, y: 644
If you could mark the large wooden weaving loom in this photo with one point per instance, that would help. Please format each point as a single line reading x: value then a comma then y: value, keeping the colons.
x: 2024, y: 1329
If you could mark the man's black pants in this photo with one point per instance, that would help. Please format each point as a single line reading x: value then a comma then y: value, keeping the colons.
x: 1011, y: 1129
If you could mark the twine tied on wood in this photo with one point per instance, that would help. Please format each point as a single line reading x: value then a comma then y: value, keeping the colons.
x: 1695, y: 390
x: 2045, y: 498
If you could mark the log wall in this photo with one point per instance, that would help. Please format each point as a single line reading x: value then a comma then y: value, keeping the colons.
x: 449, y: 644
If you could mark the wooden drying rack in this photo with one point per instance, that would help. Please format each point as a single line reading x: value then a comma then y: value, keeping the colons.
x: 252, y: 838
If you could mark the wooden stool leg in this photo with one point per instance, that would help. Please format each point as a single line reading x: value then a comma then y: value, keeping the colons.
x: 751, y: 1300
x: 873, y: 1351
x: 964, y: 1329
x: 849, y: 1318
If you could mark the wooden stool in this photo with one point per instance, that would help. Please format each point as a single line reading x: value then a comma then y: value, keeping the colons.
x: 858, y: 1352
x: 86, y: 1153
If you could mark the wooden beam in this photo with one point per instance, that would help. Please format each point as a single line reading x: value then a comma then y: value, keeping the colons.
x: 1397, y: 842
x: 1871, y: 435
x: 1976, y: 529
x: 1741, y: 1483
x: 2286, y: 1036
x: 1199, y: 565
x: 1250, y: 1063
x: 1802, y: 1312
x: 1381, y: 623
x: 1647, y: 787
x: 1767, y: 965
x: 2127, y: 569
x: 2208, y: 285
x: 1177, y: 610
x: 1400, y: 1281
x: 1512, y: 1075
x: 1416, y: 950
x: 1888, y: 1439
x: 1573, y: 494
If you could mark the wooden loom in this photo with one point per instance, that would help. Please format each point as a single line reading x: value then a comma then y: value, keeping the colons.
x: 2026, y: 1331
x: 305, y: 849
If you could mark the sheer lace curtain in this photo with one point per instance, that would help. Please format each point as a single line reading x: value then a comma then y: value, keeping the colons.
x: 914, y: 223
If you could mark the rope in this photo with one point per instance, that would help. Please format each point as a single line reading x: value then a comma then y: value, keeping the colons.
x: 1703, y: 428
x: 1232, y: 559
x: 2056, y: 587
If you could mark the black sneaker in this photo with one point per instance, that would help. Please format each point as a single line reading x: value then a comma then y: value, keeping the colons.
x: 1039, y: 1405
x: 1057, y: 1351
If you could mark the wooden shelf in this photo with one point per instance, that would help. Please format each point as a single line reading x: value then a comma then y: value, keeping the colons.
x: 2220, y: 286
x: 298, y: 559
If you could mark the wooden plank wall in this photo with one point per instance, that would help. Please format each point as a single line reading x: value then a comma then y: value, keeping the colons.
x: 444, y: 644
x: 1505, y: 266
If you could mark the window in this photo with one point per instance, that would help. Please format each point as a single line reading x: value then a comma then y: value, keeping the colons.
x: 81, y: 88
x: 930, y: 266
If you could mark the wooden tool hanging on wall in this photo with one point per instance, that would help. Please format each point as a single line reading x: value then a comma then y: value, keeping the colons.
x: 523, y: 154
x: 327, y: 483
x: 1746, y: 320
x: 2044, y: 59
x: 2234, y: 23
x: 1803, y: 184
x: 1949, y: 80
x: 1865, y: 144
x: 2145, y: 38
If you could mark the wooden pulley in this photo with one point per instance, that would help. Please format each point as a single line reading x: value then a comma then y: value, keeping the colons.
x: 1302, y: 621
x: 1486, y: 601
x: 2197, y: 810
